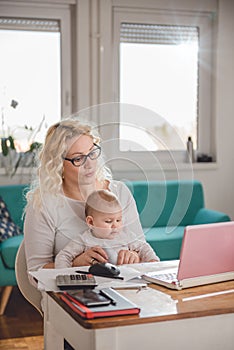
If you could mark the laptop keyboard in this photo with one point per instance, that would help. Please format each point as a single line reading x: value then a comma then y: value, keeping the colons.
x: 167, y: 277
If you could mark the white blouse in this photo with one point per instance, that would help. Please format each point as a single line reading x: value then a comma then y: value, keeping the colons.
x: 49, y: 230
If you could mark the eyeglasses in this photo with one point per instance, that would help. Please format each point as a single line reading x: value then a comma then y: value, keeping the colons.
x: 80, y: 160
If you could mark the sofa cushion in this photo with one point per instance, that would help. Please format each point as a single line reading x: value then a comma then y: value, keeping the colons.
x: 7, y: 227
x: 9, y: 249
x: 208, y: 216
x: 166, y: 241
x: 167, y: 203
x: 14, y: 197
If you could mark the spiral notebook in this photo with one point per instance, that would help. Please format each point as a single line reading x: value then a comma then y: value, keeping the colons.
x: 207, y: 256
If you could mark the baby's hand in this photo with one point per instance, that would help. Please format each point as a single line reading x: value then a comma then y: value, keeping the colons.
x: 127, y: 257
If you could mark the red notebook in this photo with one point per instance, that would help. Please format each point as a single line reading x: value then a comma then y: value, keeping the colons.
x: 122, y: 306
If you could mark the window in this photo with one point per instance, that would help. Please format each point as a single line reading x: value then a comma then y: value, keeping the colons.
x: 164, y: 60
x: 35, y: 66
x: 30, y: 86
x: 163, y: 71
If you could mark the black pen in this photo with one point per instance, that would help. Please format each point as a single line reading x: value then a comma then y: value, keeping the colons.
x: 87, y: 273
x: 115, y: 277
x: 84, y: 272
x: 105, y: 294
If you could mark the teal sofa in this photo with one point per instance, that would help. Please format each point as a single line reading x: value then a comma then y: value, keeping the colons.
x: 13, y: 196
x: 166, y: 207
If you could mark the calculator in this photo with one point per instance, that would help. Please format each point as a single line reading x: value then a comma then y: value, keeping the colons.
x: 76, y: 281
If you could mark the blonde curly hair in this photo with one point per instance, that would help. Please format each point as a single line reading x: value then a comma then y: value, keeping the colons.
x: 50, y: 157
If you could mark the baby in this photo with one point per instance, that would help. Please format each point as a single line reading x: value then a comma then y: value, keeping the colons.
x: 104, y: 218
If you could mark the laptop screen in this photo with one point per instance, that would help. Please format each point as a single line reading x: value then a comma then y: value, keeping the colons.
x: 207, y: 250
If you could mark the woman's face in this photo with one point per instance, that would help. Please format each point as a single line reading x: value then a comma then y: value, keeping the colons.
x: 85, y: 173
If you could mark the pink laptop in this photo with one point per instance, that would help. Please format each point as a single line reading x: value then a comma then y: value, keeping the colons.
x: 207, y: 256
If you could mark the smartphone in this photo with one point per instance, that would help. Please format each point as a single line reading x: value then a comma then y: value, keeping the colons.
x: 90, y: 297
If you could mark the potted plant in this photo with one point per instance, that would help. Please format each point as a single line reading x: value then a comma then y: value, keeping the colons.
x: 13, y: 156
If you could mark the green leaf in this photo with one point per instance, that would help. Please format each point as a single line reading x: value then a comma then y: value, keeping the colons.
x: 11, y: 140
x: 4, y: 146
x: 34, y: 146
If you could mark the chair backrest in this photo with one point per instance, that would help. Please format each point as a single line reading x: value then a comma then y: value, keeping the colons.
x: 29, y: 292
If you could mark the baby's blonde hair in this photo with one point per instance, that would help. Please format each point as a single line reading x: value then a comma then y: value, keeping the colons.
x: 102, y: 201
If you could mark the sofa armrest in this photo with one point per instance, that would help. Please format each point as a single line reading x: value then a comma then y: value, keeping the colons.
x: 208, y: 216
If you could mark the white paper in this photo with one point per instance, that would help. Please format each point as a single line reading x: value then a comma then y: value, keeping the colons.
x: 47, y: 277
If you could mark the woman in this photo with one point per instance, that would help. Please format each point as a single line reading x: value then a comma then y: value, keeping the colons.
x: 70, y: 168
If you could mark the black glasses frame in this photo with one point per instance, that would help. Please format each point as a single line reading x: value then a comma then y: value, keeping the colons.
x: 85, y: 156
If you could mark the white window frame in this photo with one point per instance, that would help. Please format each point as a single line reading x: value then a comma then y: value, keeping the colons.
x: 60, y: 12
x: 204, y: 20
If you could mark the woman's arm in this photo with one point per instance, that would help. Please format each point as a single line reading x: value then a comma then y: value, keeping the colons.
x: 49, y: 266
x: 39, y: 235
x: 75, y: 254
x: 41, y: 238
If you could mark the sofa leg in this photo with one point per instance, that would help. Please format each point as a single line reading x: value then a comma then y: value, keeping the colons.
x: 5, y: 295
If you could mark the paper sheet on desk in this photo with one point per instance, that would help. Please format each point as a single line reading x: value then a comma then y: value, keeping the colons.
x: 131, y: 279
x: 47, y: 278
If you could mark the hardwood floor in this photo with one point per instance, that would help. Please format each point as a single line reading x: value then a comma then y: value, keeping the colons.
x: 20, y: 322
x: 29, y: 343
x: 21, y: 327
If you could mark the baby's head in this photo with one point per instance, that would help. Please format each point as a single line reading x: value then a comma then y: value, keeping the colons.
x: 103, y: 214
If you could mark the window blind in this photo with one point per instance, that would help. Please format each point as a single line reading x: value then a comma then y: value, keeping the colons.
x: 158, y: 34
x: 29, y: 24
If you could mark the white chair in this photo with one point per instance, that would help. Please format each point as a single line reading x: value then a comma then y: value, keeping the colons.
x: 29, y: 292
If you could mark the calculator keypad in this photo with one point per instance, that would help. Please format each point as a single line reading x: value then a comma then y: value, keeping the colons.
x: 76, y: 281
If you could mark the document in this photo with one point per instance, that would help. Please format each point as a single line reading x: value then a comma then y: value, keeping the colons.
x: 47, y: 278
x: 131, y: 275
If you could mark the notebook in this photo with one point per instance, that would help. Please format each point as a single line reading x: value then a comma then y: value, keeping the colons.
x: 118, y: 306
x: 207, y: 256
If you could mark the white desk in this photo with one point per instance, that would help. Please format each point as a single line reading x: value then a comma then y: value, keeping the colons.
x: 196, y: 318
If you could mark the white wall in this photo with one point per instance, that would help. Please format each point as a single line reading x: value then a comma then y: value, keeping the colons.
x: 219, y: 183
x: 217, y: 179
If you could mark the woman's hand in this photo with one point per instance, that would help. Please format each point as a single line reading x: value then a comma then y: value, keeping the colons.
x: 127, y: 257
x: 89, y: 256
